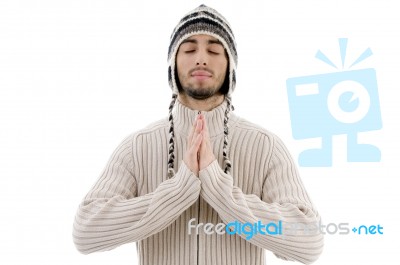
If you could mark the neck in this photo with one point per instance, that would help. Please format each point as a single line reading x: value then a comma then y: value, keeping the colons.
x: 184, y: 117
x: 203, y: 104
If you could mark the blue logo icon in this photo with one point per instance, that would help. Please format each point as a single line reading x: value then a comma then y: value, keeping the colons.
x: 344, y: 102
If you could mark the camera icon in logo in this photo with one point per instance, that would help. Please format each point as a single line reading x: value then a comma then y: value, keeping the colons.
x: 330, y: 104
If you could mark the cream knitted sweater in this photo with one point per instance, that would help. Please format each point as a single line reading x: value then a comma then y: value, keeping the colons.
x: 134, y: 201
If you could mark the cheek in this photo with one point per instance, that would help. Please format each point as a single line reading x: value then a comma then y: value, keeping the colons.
x: 223, y: 66
x: 178, y: 69
x: 181, y: 65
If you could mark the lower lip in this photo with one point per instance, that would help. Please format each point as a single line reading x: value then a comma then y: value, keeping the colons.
x: 200, y: 77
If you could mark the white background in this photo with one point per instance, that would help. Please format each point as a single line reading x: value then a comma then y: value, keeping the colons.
x: 77, y: 76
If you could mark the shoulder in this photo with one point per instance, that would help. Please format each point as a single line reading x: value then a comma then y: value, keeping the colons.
x: 156, y: 128
x: 259, y: 137
x: 246, y: 127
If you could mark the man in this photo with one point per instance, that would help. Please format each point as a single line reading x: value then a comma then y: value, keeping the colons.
x: 202, y: 165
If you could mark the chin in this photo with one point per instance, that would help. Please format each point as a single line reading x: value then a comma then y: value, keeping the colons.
x: 200, y: 93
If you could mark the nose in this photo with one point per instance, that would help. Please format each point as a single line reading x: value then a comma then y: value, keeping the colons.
x: 201, y: 58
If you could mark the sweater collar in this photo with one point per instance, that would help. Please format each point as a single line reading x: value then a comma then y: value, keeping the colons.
x: 184, y: 118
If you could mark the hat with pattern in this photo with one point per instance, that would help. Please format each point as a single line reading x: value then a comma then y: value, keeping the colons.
x: 203, y: 20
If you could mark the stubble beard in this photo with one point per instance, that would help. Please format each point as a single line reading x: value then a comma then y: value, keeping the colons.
x: 200, y: 93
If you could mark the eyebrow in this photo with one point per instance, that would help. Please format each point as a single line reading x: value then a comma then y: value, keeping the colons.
x: 195, y: 41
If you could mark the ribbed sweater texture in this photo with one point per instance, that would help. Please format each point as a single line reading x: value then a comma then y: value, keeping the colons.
x: 134, y: 200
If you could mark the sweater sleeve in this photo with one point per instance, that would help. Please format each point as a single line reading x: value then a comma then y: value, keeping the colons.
x: 284, y: 199
x: 112, y: 214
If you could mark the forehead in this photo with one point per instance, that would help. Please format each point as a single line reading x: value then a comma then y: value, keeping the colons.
x: 201, y: 38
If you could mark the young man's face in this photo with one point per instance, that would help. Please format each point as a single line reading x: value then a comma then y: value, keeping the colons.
x: 201, y: 66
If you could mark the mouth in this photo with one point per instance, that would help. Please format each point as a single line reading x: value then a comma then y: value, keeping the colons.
x: 201, y: 74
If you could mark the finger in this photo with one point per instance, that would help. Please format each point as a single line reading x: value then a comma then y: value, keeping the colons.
x: 206, y: 141
x: 199, y: 126
x: 205, y: 128
x: 203, y: 147
x: 197, y: 131
x: 197, y: 143
x: 202, y: 117
x: 192, y: 131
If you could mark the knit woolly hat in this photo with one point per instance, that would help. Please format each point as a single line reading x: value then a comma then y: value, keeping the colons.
x: 203, y: 20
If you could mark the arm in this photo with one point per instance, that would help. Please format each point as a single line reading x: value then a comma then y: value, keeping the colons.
x: 111, y: 214
x: 284, y: 198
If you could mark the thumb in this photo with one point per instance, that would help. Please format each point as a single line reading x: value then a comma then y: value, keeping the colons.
x: 197, y: 142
